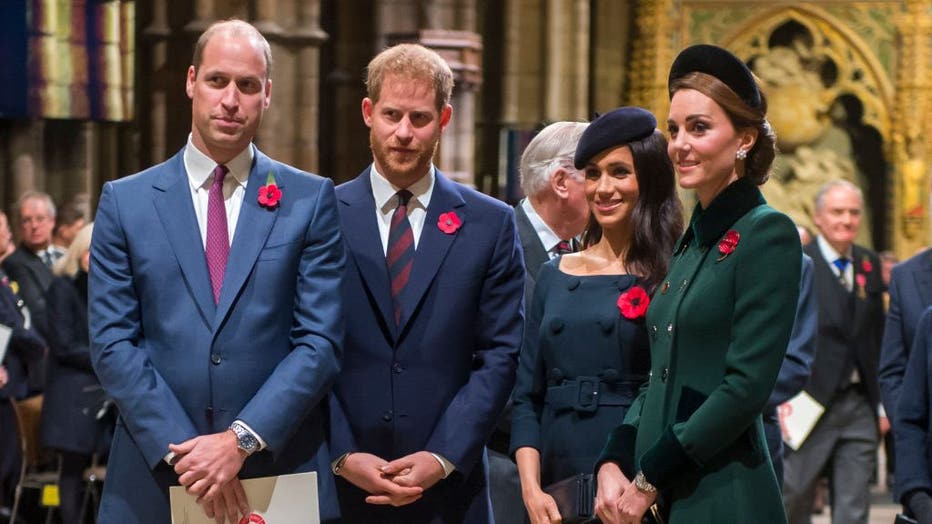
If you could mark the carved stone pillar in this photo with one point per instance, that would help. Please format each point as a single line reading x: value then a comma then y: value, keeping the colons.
x: 566, y: 76
x: 912, y: 144
x: 155, y: 36
x: 463, y: 52
x: 649, y: 66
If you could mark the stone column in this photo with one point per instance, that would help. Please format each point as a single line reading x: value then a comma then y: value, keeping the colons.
x: 463, y: 52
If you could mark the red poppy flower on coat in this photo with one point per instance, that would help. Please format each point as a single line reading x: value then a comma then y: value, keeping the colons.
x: 269, y: 194
x: 728, y: 243
x: 861, y: 280
x: 633, y: 303
x: 449, y: 222
x: 867, y: 266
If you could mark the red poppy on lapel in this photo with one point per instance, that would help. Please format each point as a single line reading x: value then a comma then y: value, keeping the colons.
x: 633, y: 303
x: 866, y: 265
x: 269, y: 194
x: 449, y: 222
x: 728, y: 243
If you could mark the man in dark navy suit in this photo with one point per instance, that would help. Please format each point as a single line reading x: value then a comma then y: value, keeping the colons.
x: 434, y: 284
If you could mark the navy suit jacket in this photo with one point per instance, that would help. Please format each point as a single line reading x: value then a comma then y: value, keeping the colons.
x: 178, y: 365
x: 535, y: 254
x: 911, y: 422
x: 910, y: 295
x: 438, y: 380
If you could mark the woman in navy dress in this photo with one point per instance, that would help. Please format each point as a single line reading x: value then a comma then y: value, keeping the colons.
x: 585, y: 351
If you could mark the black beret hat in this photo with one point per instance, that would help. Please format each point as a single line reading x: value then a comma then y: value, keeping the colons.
x: 617, y: 127
x: 715, y: 61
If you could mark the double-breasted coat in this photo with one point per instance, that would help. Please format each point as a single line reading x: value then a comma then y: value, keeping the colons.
x: 718, y: 325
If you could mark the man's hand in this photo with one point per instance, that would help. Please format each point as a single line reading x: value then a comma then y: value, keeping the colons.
x: 230, y: 503
x: 207, y: 462
x: 420, y: 469
x: 364, y: 471
x: 612, y: 484
x: 883, y: 424
x: 4, y: 377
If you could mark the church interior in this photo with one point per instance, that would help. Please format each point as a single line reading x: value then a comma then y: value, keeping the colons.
x: 93, y: 90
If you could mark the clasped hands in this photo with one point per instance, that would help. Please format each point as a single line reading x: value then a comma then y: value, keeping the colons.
x: 398, y: 482
x: 207, y: 466
x: 617, y: 500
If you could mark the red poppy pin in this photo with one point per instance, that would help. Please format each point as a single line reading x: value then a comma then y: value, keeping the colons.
x: 270, y: 194
x: 449, y: 222
x: 866, y: 265
x: 252, y: 518
x: 728, y: 243
x: 633, y: 303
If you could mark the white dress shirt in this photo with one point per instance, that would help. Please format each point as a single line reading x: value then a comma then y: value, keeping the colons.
x: 385, y: 203
x: 830, y: 255
x: 200, y: 170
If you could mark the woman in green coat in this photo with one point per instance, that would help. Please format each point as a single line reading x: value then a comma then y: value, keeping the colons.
x: 719, y: 322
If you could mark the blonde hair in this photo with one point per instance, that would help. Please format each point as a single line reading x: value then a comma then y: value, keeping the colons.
x: 70, y: 263
x: 410, y: 61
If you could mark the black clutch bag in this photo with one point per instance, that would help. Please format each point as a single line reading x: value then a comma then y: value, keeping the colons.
x: 575, y: 498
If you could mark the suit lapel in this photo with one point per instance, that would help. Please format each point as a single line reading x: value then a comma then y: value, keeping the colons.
x: 252, y: 229
x: 826, y: 280
x: 361, y: 232
x: 172, y: 198
x: 433, y: 244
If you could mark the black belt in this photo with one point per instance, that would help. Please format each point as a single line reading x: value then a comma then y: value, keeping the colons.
x: 586, y: 394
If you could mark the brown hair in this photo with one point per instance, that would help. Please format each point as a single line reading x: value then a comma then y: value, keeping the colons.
x: 657, y: 216
x: 412, y: 61
x: 742, y: 116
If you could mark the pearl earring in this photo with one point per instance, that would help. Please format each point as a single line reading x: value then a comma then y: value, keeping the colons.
x: 741, y: 154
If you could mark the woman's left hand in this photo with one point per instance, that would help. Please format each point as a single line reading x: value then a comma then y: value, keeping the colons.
x: 634, y: 504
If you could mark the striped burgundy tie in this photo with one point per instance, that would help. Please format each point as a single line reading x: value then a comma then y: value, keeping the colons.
x: 217, y: 248
x: 400, y: 253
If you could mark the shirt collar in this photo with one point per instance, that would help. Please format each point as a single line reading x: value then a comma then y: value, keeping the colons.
x: 383, y: 190
x: 829, y: 253
x: 547, y: 237
x: 201, y: 166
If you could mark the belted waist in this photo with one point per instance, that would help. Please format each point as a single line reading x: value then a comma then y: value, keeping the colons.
x: 586, y: 394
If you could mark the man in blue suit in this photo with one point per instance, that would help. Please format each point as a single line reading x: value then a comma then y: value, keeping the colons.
x: 215, y: 312
x: 910, y: 294
x: 911, y: 426
x: 434, y: 284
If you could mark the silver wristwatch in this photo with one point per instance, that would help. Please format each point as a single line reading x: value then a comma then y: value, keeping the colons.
x: 245, y: 440
x: 640, y: 482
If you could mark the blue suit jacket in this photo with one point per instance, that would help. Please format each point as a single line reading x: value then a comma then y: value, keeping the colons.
x: 439, y: 380
x: 178, y: 365
x: 910, y: 295
x: 911, y: 423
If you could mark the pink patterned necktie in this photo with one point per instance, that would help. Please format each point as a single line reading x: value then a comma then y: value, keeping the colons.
x: 218, y: 238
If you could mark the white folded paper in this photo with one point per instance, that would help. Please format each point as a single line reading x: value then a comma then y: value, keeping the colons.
x: 5, y: 334
x: 285, y: 499
x: 798, y: 416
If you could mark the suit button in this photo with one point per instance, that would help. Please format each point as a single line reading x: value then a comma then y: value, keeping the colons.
x: 387, y: 417
x: 664, y: 375
x: 669, y: 329
x: 397, y: 368
x: 215, y: 358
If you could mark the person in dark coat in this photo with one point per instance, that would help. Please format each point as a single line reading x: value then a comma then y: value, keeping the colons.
x: 75, y: 421
x: 585, y: 351
x: 912, y: 426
